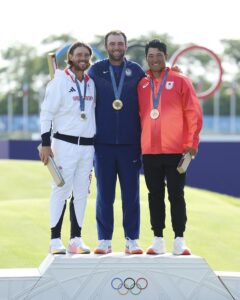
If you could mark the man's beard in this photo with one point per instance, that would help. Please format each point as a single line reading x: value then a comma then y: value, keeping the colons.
x: 118, y: 58
x: 78, y: 67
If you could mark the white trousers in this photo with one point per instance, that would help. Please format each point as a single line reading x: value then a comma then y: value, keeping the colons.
x: 75, y: 163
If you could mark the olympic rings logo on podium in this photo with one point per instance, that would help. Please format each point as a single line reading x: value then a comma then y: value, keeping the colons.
x: 135, y: 287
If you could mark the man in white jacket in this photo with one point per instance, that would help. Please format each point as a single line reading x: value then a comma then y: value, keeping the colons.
x: 69, y: 110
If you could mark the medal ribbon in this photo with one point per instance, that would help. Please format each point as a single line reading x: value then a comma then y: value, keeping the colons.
x: 156, y: 99
x: 82, y: 98
x: 118, y: 91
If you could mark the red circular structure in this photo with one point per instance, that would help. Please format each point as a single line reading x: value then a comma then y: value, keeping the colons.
x: 215, y: 86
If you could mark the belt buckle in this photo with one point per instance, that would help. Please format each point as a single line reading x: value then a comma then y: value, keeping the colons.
x: 79, y: 140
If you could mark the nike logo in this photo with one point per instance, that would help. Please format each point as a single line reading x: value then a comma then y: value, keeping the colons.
x: 104, y: 72
x: 145, y: 85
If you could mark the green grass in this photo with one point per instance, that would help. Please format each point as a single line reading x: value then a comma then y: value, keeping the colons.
x: 213, y: 228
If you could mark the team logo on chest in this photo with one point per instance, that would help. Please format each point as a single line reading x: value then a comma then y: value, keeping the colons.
x: 169, y: 85
x: 128, y: 72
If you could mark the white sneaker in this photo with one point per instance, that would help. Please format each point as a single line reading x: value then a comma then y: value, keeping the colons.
x: 132, y: 247
x: 56, y: 247
x: 77, y: 246
x: 158, y: 246
x: 179, y: 247
x: 104, y: 247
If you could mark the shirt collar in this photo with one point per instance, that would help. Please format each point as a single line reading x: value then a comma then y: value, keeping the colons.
x: 70, y: 73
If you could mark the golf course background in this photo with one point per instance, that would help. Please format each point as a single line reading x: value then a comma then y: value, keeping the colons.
x: 213, y: 228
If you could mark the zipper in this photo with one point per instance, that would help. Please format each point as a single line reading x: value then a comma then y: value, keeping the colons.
x: 117, y: 126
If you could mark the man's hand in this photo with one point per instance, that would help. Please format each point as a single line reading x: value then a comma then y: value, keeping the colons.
x: 176, y: 69
x: 44, y: 153
x: 191, y: 151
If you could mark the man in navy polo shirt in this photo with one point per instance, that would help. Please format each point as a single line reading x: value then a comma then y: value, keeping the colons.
x: 117, y: 142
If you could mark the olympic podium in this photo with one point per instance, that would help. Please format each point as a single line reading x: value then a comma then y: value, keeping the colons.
x: 119, y: 276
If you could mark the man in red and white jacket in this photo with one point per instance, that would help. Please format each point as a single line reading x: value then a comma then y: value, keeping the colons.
x: 69, y: 107
x: 171, y: 120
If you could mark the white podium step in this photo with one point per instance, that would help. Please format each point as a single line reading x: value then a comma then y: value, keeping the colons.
x: 231, y: 280
x: 115, y: 276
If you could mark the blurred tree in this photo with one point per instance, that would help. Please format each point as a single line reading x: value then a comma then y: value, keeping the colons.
x: 224, y: 101
x: 20, y: 67
x: 232, y: 49
x: 231, y: 55
x: 22, y: 64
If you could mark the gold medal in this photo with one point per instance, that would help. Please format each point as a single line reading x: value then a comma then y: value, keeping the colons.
x: 83, y: 115
x: 154, y: 114
x: 117, y: 104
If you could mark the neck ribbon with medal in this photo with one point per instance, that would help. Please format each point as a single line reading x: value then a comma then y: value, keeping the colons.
x: 154, y: 114
x: 117, y: 103
x: 83, y: 115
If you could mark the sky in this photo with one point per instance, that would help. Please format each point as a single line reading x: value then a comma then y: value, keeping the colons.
x: 202, y: 22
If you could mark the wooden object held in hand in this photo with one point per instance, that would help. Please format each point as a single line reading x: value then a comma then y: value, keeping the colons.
x: 54, y: 170
x: 184, y: 163
x: 52, y: 64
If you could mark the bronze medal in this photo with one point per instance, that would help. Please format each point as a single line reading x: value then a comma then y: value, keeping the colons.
x: 154, y: 114
x: 83, y: 115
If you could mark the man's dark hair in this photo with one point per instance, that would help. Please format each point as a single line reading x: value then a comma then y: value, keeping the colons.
x: 115, y: 32
x: 156, y: 44
x: 73, y: 47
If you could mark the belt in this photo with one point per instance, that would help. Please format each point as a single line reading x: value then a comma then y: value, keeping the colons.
x: 78, y: 140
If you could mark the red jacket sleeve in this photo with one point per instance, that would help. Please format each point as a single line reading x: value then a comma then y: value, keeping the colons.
x: 192, y: 115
